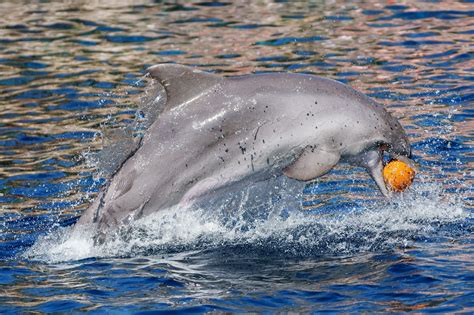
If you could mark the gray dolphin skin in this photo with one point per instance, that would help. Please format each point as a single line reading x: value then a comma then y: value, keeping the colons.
x: 214, y: 131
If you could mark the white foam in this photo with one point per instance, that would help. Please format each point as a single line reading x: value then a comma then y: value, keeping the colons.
x: 379, y: 226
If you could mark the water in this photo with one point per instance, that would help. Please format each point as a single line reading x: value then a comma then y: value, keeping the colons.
x: 71, y: 81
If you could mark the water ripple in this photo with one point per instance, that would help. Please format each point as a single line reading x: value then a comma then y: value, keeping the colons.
x: 71, y: 72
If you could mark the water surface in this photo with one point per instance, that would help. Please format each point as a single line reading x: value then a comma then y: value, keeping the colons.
x: 71, y: 76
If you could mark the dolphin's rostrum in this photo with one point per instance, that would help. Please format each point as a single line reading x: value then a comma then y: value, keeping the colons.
x: 215, y: 131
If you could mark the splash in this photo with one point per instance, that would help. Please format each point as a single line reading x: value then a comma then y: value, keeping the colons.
x: 121, y: 138
x: 263, y: 217
x: 269, y: 228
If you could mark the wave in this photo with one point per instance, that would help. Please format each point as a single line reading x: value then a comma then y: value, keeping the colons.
x: 272, y: 226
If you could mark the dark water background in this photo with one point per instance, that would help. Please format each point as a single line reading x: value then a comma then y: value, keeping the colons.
x: 70, y: 74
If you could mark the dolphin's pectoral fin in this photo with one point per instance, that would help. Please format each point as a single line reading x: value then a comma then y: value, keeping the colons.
x: 201, y: 188
x: 312, y: 163
x: 182, y: 83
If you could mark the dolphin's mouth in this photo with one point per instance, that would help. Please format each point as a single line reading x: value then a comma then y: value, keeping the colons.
x: 376, y: 171
x: 374, y: 163
x: 407, y: 160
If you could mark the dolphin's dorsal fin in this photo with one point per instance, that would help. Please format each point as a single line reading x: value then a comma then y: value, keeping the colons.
x: 182, y: 83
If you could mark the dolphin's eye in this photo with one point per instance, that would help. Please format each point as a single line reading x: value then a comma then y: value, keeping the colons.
x: 384, y: 147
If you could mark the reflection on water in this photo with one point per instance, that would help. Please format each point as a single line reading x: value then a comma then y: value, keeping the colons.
x: 71, y: 74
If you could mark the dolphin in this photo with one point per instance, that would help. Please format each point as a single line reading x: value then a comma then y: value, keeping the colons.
x: 214, y: 131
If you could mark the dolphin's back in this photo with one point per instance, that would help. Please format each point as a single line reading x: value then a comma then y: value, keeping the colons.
x: 298, y: 92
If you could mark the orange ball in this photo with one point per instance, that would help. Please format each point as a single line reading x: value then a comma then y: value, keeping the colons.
x: 398, y: 175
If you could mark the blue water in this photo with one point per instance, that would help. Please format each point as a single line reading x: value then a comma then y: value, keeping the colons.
x: 72, y: 80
